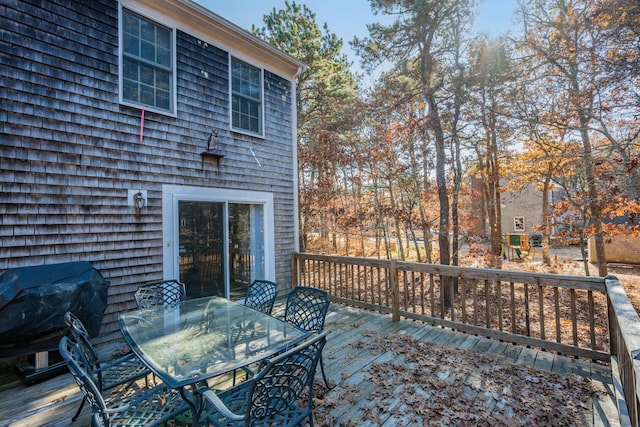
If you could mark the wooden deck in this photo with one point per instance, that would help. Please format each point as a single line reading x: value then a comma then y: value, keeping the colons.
x: 355, y: 359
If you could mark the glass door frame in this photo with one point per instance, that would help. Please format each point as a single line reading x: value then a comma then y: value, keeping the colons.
x: 173, y: 194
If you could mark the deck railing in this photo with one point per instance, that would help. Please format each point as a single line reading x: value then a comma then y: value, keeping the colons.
x: 588, y: 317
x: 566, y: 314
x: 625, y: 350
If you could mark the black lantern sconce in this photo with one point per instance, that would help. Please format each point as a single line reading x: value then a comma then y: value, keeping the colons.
x: 139, y: 200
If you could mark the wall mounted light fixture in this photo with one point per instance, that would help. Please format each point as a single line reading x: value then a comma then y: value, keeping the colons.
x: 139, y: 200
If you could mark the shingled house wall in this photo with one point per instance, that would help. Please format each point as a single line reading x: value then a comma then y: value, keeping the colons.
x: 69, y: 151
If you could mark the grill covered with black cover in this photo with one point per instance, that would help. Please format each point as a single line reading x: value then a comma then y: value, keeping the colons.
x: 33, y: 301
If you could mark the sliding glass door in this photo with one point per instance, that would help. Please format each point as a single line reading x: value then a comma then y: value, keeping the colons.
x: 222, y: 245
x: 246, y: 247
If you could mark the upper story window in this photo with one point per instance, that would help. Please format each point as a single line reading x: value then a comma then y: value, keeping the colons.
x: 518, y: 223
x: 147, y: 66
x: 246, y: 97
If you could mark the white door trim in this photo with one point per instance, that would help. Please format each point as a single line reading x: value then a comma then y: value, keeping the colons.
x: 172, y: 194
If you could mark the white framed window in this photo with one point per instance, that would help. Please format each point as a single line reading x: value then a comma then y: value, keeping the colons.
x: 518, y: 223
x: 246, y: 98
x: 147, y: 63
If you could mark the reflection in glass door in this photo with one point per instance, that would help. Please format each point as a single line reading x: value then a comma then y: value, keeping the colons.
x: 201, y: 250
x: 246, y: 247
x: 203, y: 255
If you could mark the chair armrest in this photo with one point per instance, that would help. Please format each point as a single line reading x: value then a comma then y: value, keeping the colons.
x: 219, y: 405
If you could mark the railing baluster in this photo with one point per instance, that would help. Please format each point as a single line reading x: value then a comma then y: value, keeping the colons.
x: 487, y: 297
x: 422, y: 300
x: 406, y: 297
x: 556, y: 296
x: 500, y: 314
x: 313, y: 272
x: 592, y: 325
x: 432, y: 294
x: 574, y: 318
x: 463, y: 300
x: 381, y: 289
x: 413, y: 291
x: 541, y: 311
x: 353, y: 280
x: 526, y: 310
x: 365, y: 282
x: 514, y: 323
x: 452, y: 284
x: 337, y: 279
x: 442, y: 293
x: 475, y: 302
x: 323, y: 275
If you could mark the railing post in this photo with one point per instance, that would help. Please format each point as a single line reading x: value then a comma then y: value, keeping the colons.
x: 395, y: 291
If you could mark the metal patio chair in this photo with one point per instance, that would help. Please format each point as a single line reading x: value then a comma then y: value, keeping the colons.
x: 307, y: 309
x: 261, y: 295
x: 108, y: 373
x: 165, y: 293
x: 128, y: 407
x: 273, y: 396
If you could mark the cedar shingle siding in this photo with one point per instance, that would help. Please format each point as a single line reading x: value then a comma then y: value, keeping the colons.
x: 69, y: 151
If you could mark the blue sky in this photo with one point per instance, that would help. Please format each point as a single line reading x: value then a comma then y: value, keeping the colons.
x: 349, y: 18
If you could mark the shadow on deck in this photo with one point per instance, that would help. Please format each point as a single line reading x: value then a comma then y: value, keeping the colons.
x: 378, y: 367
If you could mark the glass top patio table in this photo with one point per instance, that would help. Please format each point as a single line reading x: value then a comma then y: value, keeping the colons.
x: 201, y: 338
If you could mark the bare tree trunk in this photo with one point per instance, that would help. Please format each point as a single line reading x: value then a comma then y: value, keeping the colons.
x: 397, y: 221
x: 381, y: 225
x: 594, y: 202
x: 414, y: 239
x: 443, y: 197
x: 546, y: 227
x: 583, y: 252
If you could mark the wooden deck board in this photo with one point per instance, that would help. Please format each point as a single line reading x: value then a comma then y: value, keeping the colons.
x: 469, y: 342
x: 483, y: 345
x: 497, y: 347
x: 53, y: 402
x: 544, y: 361
x: 512, y: 352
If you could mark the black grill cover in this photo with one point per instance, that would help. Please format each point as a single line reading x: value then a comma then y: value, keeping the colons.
x: 33, y: 301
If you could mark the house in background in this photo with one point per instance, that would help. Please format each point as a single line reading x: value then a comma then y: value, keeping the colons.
x: 521, y: 211
x: 152, y: 138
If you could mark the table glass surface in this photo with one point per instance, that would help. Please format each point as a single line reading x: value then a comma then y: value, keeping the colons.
x: 205, y: 337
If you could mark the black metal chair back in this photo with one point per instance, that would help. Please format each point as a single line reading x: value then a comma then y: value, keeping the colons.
x: 307, y: 308
x: 81, y: 338
x: 261, y: 295
x: 75, y: 325
x: 273, y: 396
x: 112, y: 373
x: 127, y: 407
x: 83, y: 374
x: 167, y: 293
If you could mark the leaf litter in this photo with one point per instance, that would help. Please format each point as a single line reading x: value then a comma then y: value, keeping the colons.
x: 422, y: 383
